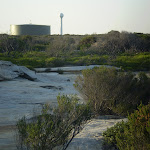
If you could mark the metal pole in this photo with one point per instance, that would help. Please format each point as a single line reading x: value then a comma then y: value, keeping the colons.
x: 61, y: 32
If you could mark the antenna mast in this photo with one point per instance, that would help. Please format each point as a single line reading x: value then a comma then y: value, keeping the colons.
x: 61, y: 29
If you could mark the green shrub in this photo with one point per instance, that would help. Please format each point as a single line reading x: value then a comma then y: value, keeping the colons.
x: 54, y: 62
x: 113, y: 92
x: 39, y: 47
x: 60, y: 71
x: 110, y: 134
x: 136, y: 62
x: 134, y: 134
x: 53, y: 127
x: 87, y: 60
x: 133, y: 55
x: 35, y: 54
x: 86, y: 42
x: 33, y: 62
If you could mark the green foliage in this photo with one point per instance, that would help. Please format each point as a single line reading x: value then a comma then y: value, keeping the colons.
x: 54, y: 126
x: 86, y: 42
x: 54, y: 62
x: 134, y: 134
x: 113, y: 92
x: 87, y: 60
x: 140, y: 61
x: 60, y: 71
x: 32, y: 61
x: 39, y: 47
x: 110, y: 134
x: 126, y: 50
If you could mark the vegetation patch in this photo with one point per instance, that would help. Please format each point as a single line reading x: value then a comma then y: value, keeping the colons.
x: 134, y: 134
x: 136, y: 62
x: 130, y: 51
x: 54, y: 127
x: 113, y: 92
x: 106, y: 91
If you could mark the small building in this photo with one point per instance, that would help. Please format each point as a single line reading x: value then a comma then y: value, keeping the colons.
x: 30, y: 29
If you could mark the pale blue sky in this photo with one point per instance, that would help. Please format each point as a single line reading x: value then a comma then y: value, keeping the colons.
x: 80, y: 16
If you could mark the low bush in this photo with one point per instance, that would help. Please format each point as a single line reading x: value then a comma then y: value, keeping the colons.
x: 86, y: 42
x: 33, y: 62
x: 39, y: 47
x: 140, y: 61
x: 110, y: 135
x: 113, y: 92
x: 54, y: 62
x: 134, y: 134
x: 60, y: 71
x: 87, y: 60
x: 53, y: 127
x: 126, y: 61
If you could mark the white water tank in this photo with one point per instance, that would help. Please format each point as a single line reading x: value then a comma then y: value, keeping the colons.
x: 30, y: 29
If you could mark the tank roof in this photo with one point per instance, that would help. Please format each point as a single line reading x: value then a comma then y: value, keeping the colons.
x: 29, y: 25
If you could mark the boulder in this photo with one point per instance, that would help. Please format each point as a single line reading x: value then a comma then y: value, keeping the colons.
x: 9, y: 71
x: 27, y: 73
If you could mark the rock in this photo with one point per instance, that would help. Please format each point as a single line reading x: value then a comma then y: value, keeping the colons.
x: 52, y: 87
x: 1, y: 79
x: 9, y: 71
x: 90, y: 138
x: 48, y: 70
x: 27, y: 73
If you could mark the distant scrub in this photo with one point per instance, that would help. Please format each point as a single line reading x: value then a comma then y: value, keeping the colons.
x: 130, y: 51
x: 139, y: 61
x: 86, y: 42
x: 87, y: 60
x: 54, y: 62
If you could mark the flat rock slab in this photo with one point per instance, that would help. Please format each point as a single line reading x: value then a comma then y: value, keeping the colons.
x: 90, y: 138
x: 70, y: 69
x: 9, y: 71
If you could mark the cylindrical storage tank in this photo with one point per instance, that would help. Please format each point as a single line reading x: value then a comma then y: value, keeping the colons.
x: 29, y: 29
